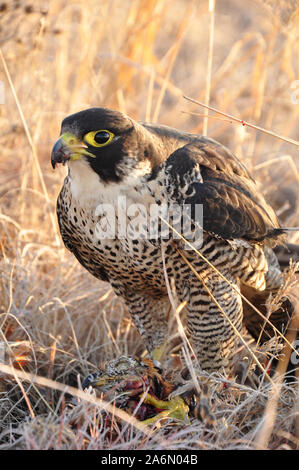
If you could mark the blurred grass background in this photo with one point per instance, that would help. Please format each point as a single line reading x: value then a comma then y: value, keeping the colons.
x: 140, y: 57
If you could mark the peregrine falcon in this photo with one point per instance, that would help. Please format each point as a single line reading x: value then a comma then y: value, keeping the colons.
x: 115, y: 161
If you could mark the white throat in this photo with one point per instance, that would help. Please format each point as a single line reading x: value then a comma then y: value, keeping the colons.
x: 89, y: 190
x: 85, y: 184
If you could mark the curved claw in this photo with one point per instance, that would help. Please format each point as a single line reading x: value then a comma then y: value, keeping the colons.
x: 158, y: 366
x: 197, y: 400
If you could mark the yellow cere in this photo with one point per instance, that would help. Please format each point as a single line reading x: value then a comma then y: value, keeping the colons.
x: 76, y: 145
x: 70, y: 139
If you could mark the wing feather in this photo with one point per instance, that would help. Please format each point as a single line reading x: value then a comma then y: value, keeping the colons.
x: 233, y: 207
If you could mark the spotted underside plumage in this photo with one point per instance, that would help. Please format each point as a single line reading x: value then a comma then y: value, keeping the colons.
x: 148, y: 165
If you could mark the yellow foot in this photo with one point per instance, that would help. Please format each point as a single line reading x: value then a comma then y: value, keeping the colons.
x: 197, y: 402
x: 157, y: 353
x: 174, y: 408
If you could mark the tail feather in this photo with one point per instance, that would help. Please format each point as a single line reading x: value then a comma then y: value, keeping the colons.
x: 286, y: 252
x: 255, y: 324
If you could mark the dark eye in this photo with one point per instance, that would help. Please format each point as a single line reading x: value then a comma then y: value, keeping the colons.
x: 99, y: 138
x: 102, y: 137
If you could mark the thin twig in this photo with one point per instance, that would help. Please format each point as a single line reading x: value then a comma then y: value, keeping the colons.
x: 244, y: 123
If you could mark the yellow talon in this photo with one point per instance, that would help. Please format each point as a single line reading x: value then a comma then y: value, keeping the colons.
x: 174, y: 408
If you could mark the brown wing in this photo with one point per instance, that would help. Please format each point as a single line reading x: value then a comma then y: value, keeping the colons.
x: 232, y: 205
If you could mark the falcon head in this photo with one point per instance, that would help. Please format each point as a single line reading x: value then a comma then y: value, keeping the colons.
x: 108, y: 143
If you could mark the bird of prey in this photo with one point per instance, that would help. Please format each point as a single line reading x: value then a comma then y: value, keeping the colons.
x: 111, y: 157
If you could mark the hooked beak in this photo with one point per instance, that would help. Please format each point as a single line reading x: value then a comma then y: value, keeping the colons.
x: 94, y: 380
x: 68, y: 147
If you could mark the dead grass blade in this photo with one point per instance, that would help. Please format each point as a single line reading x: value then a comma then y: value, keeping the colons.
x: 174, y: 52
x: 33, y: 149
x: 209, y: 64
x: 26, y: 398
x: 272, y: 161
x: 52, y: 384
x: 262, y: 439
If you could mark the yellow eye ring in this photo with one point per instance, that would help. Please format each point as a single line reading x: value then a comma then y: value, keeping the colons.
x: 98, y: 138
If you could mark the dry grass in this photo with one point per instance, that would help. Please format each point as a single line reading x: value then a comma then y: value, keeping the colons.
x: 141, y: 57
